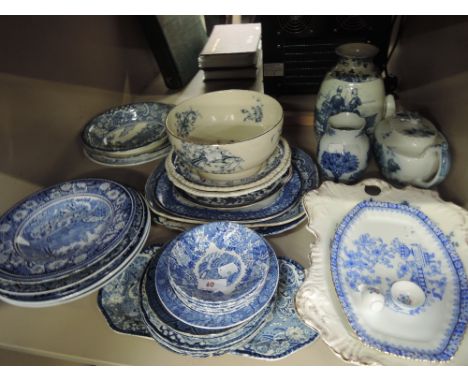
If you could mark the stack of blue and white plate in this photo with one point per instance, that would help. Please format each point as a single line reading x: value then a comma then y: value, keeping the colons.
x: 69, y: 240
x: 214, y: 286
x: 127, y: 135
x: 268, y: 201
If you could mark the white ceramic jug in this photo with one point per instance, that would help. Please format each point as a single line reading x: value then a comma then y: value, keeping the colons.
x: 354, y: 85
x: 344, y: 148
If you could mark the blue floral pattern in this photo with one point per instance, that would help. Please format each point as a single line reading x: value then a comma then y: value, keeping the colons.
x: 185, y: 121
x: 336, y: 165
x: 255, y: 113
x: 377, y: 263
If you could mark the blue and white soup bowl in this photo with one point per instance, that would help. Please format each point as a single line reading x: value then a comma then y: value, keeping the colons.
x: 410, y: 150
x: 344, y: 149
x: 226, y: 134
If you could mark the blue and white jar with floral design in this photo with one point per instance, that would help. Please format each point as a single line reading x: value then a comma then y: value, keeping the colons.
x: 354, y: 85
x: 344, y: 149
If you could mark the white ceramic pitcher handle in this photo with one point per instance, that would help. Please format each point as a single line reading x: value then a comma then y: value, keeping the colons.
x: 444, y: 167
x: 390, y: 106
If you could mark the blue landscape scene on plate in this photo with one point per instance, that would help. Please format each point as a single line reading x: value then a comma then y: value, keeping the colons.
x: 57, y: 229
x: 114, y: 130
x: 60, y: 283
x: 204, y: 251
x: 402, y: 260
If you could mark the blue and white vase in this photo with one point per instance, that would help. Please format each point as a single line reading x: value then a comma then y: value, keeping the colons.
x: 343, y: 151
x: 354, y: 85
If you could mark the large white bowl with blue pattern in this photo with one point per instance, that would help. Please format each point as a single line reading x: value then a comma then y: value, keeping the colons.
x: 226, y: 135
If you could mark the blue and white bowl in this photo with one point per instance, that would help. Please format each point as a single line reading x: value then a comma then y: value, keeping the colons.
x: 226, y: 134
x: 217, y: 264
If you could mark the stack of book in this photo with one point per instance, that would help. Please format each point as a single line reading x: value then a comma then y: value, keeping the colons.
x: 233, y: 51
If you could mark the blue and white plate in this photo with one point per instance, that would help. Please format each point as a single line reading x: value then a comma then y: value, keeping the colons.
x: 120, y: 258
x: 160, y: 193
x: 220, y: 320
x: 379, y: 244
x: 63, y: 228
x: 217, y: 264
x: 133, y: 160
x: 285, y: 333
x: 127, y: 127
x: 289, y: 219
x: 24, y: 289
x: 180, y: 338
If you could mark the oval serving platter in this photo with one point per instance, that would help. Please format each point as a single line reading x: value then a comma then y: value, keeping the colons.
x: 380, y: 243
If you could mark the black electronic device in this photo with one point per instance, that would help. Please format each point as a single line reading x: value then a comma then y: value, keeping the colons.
x: 299, y: 50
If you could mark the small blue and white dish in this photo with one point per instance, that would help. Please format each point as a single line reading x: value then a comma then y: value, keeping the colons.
x: 218, y: 265
x: 63, y: 228
x: 128, y: 128
x: 188, y: 340
x: 219, y: 320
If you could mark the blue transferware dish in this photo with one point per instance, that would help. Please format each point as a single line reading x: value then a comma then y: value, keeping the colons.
x: 308, y: 172
x: 92, y: 280
x: 285, y: 333
x: 185, y: 339
x: 214, y: 320
x: 63, y: 228
x: 398, y: 251
x: 127, y: 128
x: 249, y: 199
x: 160, y: 192
x: 217, y: 264
x: 24, y: 288
x: 127, y: 161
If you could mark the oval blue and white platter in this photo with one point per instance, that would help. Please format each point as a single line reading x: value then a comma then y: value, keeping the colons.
x: 380, y: 243
x: 63, y: 228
